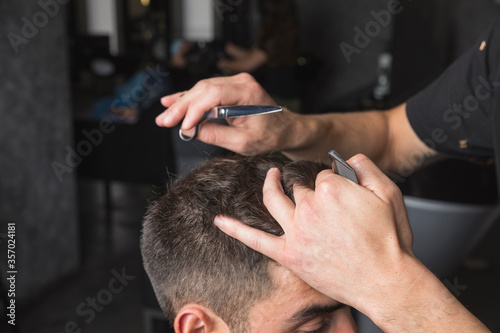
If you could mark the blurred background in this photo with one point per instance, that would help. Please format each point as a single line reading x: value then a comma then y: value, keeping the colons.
x: 81, y: 156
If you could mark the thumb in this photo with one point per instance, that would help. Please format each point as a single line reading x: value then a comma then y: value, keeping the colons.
x: 372, y: 178
x: 228, y: 137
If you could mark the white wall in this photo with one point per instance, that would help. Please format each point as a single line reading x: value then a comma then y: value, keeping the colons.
x: 198, y: 20
x: 102, y: 21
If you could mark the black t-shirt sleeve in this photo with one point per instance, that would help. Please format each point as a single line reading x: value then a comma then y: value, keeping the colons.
x: 454, y: 115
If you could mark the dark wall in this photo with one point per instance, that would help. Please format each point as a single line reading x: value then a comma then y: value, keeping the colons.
x: 325, y: 26
x: 424, y: 37
x: 35, y: 129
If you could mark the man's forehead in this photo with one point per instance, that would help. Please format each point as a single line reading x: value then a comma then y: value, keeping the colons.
x: 291, y: 303
x: 287, y: 285
x: 281, y: 276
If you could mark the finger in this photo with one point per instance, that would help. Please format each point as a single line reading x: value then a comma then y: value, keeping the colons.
x: 277, y: 203
x: 176, y: 112
x: 213, y: 92
x: 211, y: 96
x: 329, y: 186
x: 300, y: 192
x: 332, y: 179
x: 371, y: 177
x: 238, y: 139
x: 224, y: 136
x: 203, y: 96
x: 260, y: 241
x: 168, y: 100
x: 194, y: 104
x: 159, y: 119
x: 375, y: 180
x: 369, y: 174
x: 326, y: 175
x: 188, y: 134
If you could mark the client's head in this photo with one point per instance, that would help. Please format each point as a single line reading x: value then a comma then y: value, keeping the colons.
x: 206, y: 281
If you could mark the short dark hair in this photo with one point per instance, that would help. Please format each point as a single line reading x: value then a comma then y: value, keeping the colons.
x: 189, y: 260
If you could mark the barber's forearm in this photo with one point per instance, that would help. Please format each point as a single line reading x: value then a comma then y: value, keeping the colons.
x: 235, y: 51
x: 386, y: 137
x: 348, y: 133
x: 419, y: 302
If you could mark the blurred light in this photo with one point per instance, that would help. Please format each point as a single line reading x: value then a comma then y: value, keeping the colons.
x: 145, y: 3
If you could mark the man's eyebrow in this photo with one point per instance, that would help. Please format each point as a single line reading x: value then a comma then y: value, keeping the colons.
x: 313, y: 311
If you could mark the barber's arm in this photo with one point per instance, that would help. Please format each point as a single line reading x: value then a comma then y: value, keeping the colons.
x: 384, y: 136
x: 251, y: 61
x: 235, y: 51
x: 364, y: 258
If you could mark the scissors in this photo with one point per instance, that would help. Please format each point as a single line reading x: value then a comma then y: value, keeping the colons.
x: 341, y: 167
x: 237, y: 111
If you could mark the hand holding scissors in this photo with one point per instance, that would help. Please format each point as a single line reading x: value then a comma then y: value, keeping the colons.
x: 244, y: 135
x: 221, y: 112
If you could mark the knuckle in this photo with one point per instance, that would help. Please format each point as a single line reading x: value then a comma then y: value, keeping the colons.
x: 327, y: 188
x: 393, y: 192
x: 359, y: 159
x: 307, y: 210
x: 246, y: 77
x: 213, y: 90
x: 255, y: 87
x: 202, y: 84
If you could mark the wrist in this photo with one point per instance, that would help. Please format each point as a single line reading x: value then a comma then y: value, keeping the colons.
x: 401, y: 293
x: 304, y: 136
x: 416, y: 300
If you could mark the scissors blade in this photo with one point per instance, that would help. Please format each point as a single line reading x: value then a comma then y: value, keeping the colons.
x: 341, y: 167
x: 241, y: 111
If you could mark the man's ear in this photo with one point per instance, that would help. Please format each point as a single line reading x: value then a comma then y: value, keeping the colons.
x: 195, y: 318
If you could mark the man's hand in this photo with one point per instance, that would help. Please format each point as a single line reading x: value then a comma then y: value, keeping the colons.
x: 339, y: 229
x: 354, y: 244
x: 245, y: 135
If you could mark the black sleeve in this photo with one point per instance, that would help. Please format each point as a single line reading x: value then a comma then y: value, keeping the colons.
x: 454, y: 115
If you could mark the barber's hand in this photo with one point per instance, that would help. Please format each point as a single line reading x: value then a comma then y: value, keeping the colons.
x: 345, y: 240
x: 354, y: 244
x: 245, y: 135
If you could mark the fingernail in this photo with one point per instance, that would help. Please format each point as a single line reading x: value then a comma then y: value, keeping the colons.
x: 167, y: 115
x: 272, y: 170
x: 159, y: 119
x: 219, y: 221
